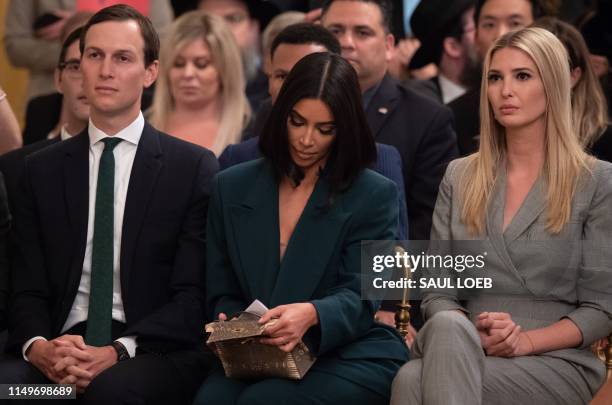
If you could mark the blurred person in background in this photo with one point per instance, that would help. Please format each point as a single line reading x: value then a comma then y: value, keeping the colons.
x: 247, y: 19
x: 74, y: 114
x: 45, y: 114
x: 32, y: 38
x: 278, y: 23
x: 589, y: 105
x: 597, y: 32
x: 200, y: 89
x: 446, y: 32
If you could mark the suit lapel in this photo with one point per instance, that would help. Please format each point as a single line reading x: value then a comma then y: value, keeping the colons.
x: 76, y: 190
x: 382, y: 105
x: 145, y: 171
x: 310, y: 249
x: 254, y: 223
x: 436, y: 82
x: 527, y: 213
x: 76, y: 184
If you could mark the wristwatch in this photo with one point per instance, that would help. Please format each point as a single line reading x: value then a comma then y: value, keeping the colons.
x: 122, y: 353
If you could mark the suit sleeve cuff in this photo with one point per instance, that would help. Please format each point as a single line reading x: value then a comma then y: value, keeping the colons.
x: 27, y: 345
x: 592, y: 323
x: 130, y: 344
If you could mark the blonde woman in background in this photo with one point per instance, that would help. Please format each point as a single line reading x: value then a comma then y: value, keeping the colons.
x: 540, y: 208
x: 200, y: 90
x: 589, y: 105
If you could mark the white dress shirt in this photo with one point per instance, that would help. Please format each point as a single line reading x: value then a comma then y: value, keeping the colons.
x: 449, y: 89
x: 124, y: 154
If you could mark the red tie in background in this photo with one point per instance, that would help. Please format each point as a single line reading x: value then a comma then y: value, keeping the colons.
x: 94, y: 5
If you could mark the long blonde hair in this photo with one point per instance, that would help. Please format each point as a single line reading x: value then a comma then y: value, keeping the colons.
x: 235, y: 109
x: 565, y: 159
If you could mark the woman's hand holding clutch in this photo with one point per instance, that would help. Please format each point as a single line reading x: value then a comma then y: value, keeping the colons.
x: 293, y: 320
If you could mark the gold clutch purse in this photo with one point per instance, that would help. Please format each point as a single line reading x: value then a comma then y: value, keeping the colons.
x: 237, y: 345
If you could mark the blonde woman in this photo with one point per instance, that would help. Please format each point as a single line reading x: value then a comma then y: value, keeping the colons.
x: 539, y: 207
x: 200, y: 90
x: 589, y: 104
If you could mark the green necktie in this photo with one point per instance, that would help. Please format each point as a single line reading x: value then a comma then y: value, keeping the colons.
x: 99, y: 316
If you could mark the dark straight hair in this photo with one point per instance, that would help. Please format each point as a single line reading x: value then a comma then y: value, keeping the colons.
x: 122, y: 12
x: 329, y: 78
x: 306, y: 33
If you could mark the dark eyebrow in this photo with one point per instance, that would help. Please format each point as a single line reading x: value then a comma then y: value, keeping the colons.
x: 363, y: 27
x: 298, y: 114
x: 318, y: 123
x: 509, y: 17
x: 94, y: 48
x: 118, y: 51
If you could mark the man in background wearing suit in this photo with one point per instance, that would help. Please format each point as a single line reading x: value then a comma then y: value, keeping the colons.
x: 75, y: 112
x: 446, y: 31
x: 420, y: 128
x: 107, y: 289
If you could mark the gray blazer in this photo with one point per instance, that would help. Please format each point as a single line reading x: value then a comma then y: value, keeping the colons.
x: 540, y: 278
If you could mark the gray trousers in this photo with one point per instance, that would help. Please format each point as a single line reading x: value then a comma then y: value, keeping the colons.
x: 449, y: 367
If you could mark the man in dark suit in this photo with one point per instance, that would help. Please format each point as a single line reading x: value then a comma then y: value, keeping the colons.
x: 107, y: 275
x: 420, y: 128
x: 493, y: 19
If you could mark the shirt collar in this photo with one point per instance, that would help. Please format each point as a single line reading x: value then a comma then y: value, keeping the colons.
x: 449, y: 89
x: 64, y: 134
x: 131, y: 133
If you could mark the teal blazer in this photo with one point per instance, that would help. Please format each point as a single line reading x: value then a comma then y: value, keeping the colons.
x: 321, y: 264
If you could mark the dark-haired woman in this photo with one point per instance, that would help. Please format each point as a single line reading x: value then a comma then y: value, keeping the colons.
x: 286, y: 230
